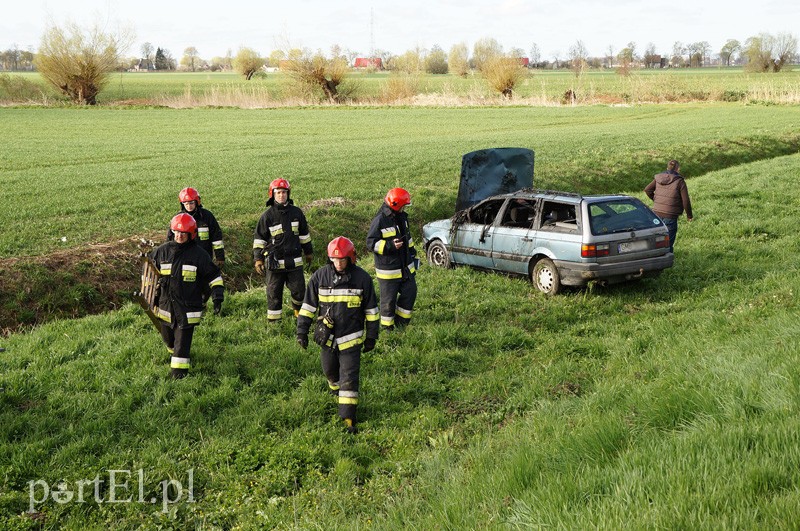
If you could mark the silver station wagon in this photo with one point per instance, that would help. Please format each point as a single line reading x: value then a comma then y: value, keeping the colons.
x: 555, y: 238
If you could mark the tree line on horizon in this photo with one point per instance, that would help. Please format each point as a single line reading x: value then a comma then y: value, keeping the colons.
x: 77, y: 60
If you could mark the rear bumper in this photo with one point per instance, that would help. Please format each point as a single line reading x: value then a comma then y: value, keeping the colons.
x: 578, y: 274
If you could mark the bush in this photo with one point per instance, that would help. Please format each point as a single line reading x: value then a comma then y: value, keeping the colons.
x: 19, y: 89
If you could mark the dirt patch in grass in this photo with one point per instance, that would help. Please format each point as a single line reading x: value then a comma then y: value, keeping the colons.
x: 95, y: 278
x: 68, y: 283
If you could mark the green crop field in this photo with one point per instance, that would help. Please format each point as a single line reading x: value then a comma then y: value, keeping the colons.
x: 667, y: 403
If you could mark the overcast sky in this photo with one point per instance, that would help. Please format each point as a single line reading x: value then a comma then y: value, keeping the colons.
x: 214, y: 27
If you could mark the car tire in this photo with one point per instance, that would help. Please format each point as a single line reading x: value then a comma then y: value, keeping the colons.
x: 545, y: 277
x: 438, y: 255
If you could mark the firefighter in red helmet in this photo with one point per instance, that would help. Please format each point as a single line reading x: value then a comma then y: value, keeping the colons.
x: 280, y: 244
x: 396, y: 260
x: 339, y: 304
x: 186, y: 270
x: 209, y: 233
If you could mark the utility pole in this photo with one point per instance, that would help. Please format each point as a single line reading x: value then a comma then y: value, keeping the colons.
x: 371, y: 33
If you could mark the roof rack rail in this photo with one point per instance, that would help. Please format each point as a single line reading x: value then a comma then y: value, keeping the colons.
x: 551, y: 192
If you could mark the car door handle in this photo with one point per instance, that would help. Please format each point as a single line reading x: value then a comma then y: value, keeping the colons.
x: 526, y: 239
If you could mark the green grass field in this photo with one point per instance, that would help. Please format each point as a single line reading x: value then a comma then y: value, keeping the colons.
x: 91, y: 175
x: 669, y: 403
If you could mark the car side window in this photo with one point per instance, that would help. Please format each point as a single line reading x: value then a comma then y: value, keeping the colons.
x: 486, y: 212
x: 519, y: 213
x: 559, y: 217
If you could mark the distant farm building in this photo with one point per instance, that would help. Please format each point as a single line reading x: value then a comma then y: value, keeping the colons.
x: 523, y: 61
x: 368, y: 62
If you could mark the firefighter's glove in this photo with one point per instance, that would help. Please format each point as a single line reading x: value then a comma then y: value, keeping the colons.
x: 369, y: 344
x: 220, y: 263
x: 302, y: 340
x: 260, y: 267
x: 217, y: 306
x: 309, y: 257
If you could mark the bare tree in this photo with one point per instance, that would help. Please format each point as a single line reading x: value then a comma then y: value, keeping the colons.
x: 503, y: 74
x: 766, y: 52
x: 578, y: 55
x: 728, y: 50
x: 704, y: 49
x: 650, y: 56
x: 784, y: 49
x: 458, y: 60
x: 678, y: 49
x: 536, y: 55
x: 191, y: 58
x: 147, y: 53
x: 485, y: 50
x: 315, y: 71
x: 610, y: 56
x: 247, y: 62
x: 79, y: 61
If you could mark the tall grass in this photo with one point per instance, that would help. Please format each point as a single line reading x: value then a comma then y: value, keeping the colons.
x: 537, y: 88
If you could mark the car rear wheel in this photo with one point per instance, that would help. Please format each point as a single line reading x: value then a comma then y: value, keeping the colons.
x: 438, y: 255
x: 545, y: 277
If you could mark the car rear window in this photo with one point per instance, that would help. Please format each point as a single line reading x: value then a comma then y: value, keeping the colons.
x: 621, y: 215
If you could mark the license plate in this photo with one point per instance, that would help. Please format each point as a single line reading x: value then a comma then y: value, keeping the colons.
x: 631, y: 247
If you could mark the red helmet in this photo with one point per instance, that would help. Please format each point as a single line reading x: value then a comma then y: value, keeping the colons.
x: 189, y: 194
x: 341, y: 247
x: 397, y: 198
x: 279, y: 183
x: 184, y: 223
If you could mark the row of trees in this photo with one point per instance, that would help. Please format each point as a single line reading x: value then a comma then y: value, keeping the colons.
x: 15, y: 59
x: 78, y: 61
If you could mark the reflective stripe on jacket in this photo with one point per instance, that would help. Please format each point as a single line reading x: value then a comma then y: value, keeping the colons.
x: 348, y: 298
x: 209, y: 233
x: 281, y: 237
x: 186, y: 269
x: 391, y: 263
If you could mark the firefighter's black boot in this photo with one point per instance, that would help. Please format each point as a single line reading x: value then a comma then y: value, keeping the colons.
x: 178, y: 374
x: 351, y: 426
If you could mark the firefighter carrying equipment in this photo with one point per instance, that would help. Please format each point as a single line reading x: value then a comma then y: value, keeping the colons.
x: 185, y: 270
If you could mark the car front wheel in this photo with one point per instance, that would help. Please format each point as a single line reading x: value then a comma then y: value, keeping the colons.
x: 438, y: 255
x: 545, y: 277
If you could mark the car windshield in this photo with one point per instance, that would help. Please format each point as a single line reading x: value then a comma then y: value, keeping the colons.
x: 621, y: 215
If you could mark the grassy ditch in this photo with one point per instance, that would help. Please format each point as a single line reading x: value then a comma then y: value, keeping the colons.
x: 672, y: 402
x: 76, y: 205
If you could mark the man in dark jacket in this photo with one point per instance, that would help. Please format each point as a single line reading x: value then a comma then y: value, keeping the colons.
x: 282, y: 240
x: 209, y: 233
x: 395, y: 259
x: 342, y: 297
x: 670, y: 199
x: 185, y: 270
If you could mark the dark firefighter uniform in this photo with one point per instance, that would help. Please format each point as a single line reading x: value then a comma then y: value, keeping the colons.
x: 280, y: 241
x: 186, y: 269
x: 395, y: 268
x: 349, y: 299
x: 209, y: 233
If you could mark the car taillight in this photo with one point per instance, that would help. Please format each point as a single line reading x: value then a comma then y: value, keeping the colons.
x: 662, y: 241
x: 593, y: 251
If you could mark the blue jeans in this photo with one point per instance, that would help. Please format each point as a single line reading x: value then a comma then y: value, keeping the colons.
x: 672, y: 227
